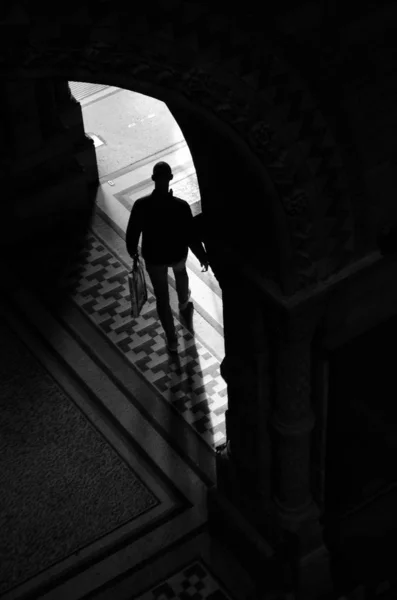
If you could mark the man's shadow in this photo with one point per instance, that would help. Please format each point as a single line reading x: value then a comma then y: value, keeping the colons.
x: 187, y: 391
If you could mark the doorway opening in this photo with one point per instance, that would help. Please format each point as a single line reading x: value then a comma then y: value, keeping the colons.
x: 131, y: 132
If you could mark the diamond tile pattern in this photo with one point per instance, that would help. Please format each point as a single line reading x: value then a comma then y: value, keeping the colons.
x: 192, y: 382
x: 192, y: 583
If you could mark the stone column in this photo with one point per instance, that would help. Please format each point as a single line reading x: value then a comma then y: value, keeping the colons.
x: 241, y: 375
x: 293, y: 421
x: 246, y: 371
x: 240, y: 506
x: 71, y: 117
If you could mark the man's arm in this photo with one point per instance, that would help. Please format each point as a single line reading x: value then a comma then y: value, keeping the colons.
x: 195, y: 244
x: 134, y: 229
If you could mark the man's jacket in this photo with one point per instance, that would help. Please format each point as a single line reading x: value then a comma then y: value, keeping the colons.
x: 167, y: 228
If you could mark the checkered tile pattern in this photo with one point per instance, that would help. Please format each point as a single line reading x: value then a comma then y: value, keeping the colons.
x: 192, y: 382
x: 192, y: 583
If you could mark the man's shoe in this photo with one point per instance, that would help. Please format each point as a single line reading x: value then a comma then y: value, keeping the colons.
x: 187, y: 312
x: 172, y: 346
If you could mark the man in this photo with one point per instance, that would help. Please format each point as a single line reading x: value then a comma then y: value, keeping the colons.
x: 167, y: 228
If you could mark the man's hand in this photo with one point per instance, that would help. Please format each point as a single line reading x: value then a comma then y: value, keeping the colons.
x: 204, y: 266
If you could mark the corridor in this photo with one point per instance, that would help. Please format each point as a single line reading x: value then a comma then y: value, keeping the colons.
x: 134, y: 132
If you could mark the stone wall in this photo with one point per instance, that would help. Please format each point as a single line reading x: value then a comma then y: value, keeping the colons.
x: 350, y: 64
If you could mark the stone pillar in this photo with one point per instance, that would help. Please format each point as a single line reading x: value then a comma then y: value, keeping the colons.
x: 263, y: 502
x: 240, y: 507
x: 293, y: 421
x: 244, y: 465
x: 71, y: 116
x: 244, y: 369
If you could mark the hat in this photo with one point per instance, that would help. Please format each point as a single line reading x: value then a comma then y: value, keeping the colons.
x: 162, y: 169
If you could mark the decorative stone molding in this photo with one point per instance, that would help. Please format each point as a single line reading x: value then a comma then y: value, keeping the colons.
x: 229, y: 87
x: 261, y: 139
x: 296, y: 203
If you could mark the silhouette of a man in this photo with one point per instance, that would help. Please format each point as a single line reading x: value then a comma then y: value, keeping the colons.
x: 167, y: 228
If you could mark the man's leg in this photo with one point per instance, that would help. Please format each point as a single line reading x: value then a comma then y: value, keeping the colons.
x: 182, y: 284
x: 159, y: 277
x: 183, y: 291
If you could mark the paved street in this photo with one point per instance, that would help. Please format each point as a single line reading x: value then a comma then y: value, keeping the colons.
x: 132, y: 126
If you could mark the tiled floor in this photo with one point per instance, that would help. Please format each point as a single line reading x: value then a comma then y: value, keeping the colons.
x: 194, y: 582
x: 193, y: 383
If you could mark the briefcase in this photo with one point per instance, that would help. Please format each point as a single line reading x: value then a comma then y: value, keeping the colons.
x: 138, y: 289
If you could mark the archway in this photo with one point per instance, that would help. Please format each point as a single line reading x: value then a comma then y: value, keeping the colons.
x: 261, y: 125
x: 249, y: 93
x: 132, y: 132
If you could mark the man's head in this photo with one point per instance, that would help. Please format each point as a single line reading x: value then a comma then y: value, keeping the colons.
x: 162, y: 175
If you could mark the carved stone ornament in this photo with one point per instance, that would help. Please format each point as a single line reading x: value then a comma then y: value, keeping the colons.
x: 197, y: 83
x: 261, y: 135
x: 296, y: 204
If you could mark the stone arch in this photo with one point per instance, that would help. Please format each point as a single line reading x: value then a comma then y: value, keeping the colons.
x: 240, y: 81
